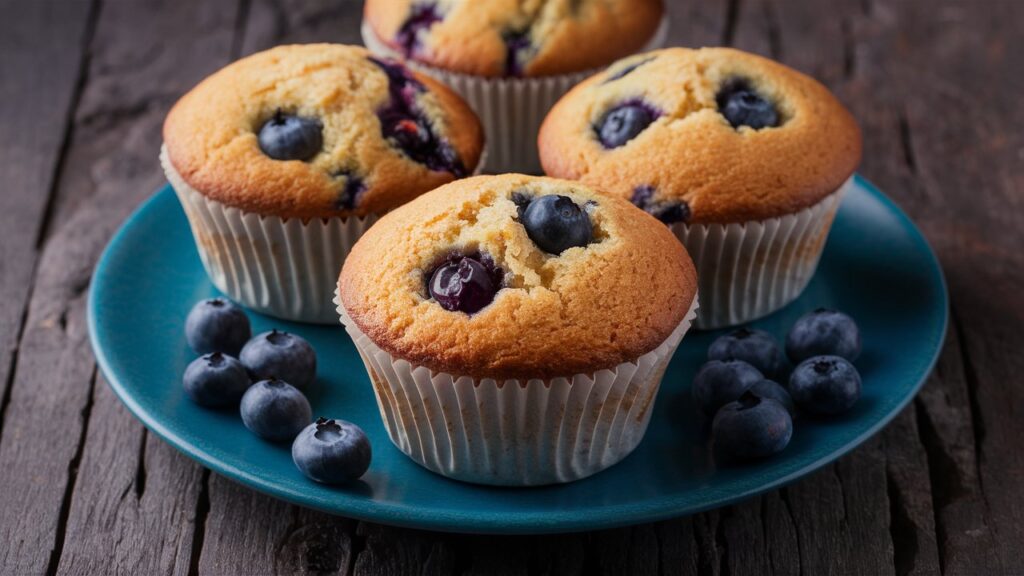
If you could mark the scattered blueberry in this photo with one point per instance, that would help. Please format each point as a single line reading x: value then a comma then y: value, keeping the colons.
x: 217, y: 325
x: 719, y: 382
x: 215, y: 380
x: 774, y: 391
x: 755, y: 347
x: 351, y: 191
x: 823, y: 332
x: 668, y: 211
x: 556, y: 223
x: 465, y: 284
x: 750, y: 428
x: 275, y: 410
x: 280, y: 355
x: 743, y: 106
x: 287, y: 137
x: 332, y: 451
x: 422, y: 17
x: 517, y: 47
x: 626, y: 70
x: 825, y: 385
x: 623, y: 123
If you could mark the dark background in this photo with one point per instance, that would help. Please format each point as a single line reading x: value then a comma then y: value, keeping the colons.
x: 84, y: 489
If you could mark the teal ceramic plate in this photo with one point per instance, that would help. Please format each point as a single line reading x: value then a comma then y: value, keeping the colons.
x: 876, y: 266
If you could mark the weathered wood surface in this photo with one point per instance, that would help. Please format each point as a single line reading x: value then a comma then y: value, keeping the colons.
x: 86, y: 490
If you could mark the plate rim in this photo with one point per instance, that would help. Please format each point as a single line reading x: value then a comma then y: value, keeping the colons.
x: 536, y: 522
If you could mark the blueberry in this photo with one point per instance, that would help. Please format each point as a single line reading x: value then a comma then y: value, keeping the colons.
x: 423, y: 16
x: 351, y: 191
x: 623, y: 123
x: 719, y: 382
x: 275, y: 410
x: 556, y: 223
x: 287, y: 137
x: 215, y: 380
x: 626, y: 70
x: 464, y: 284
x: 410, y: 135
x: 774, y: 391
x: 750, y: 428
x: 755, y: 347
x: 743, y: 106
x: 217, y: 325
x: 825, y: 385
x: 517, y: 49
x: 280, y: 355
x: 668, y: 211
x: 823, y: 332
x: 332, y: 451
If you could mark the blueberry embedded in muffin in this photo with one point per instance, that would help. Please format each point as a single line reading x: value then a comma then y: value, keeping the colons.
x: 624, y: 122
x: 742, y: 105
x: 668, y: 211
x: 290, y: 137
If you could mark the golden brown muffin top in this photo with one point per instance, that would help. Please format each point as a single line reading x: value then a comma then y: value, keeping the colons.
x: 690, y: 163
x: 588, y: 308
x: 368, y: 111
x: 514, y: 37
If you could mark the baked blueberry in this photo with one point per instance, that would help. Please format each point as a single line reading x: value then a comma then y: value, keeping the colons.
x: 823, y: 332
x: 751, y: 428
x: 743, y: 106
x: 217, y: 325
x: 522, y: 201
x: 719, y: 382
x: 332, y: 451
x: 289, y: 137
x: 464, y: 284
x: 668, y: 211
x: 517, y: 47
x: 275, y: 410
x: 825, y: 385
x: 774, y: 391
x: 280, y: 355
x: 623, y: 123
x: 556, y: 223
x: 215, y: 380
x: 351, y: 191
x: 755, y: 347
x: 422, y: 17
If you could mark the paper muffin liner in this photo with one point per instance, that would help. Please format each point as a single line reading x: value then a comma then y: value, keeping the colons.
x: 510, y: 109
x: 515, y: 433
x: 749, y: 270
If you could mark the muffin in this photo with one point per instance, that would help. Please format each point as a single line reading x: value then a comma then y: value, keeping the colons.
x: 283, y: 159
x: 512, y: 60
x: 516, y: 328
x: 746, y: 160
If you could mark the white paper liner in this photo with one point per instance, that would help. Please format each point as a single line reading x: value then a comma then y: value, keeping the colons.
x: 510, y: 109
x: 515, y: 433
x: 749, y: 270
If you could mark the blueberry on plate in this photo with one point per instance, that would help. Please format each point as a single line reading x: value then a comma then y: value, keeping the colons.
x: 825, y: 385
x: 623, y: 123
x: 556, y: 223
x: 215, y: 380
x: 217, y: 325
x: 743, y: 106
x: 280, y: 355
x: 275, y: 410
x: 823, y: 332
x: 755, y: 347
x: 464, y: 284
x: 751, y: 428
x: 719, y: 382
x: 289, y: 137
x: 771, y: 390
x: 332, y: 451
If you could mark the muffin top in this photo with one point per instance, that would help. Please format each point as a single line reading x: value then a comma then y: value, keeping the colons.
x: 517, y: 276
x: 514, y: 37
x: 713, y: 135
x: 320, y: 130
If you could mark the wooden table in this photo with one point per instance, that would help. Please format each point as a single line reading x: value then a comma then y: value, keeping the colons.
x: 84, y: 489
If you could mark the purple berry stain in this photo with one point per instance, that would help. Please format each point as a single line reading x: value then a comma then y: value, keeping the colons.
x: 409, y: 36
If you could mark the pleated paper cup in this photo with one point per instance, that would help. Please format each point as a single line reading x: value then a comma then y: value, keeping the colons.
x: 511, y: 109
x: 515, y: 432
x: 285, y: 268
x: 749, y: 270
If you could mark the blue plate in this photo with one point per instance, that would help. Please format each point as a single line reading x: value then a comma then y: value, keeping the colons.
x: 876, y: 266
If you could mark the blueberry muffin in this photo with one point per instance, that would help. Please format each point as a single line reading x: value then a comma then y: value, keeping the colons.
x: 743, y: 158
x: 516, y: 328
x: 511, y: 59
x: 282, y: 159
